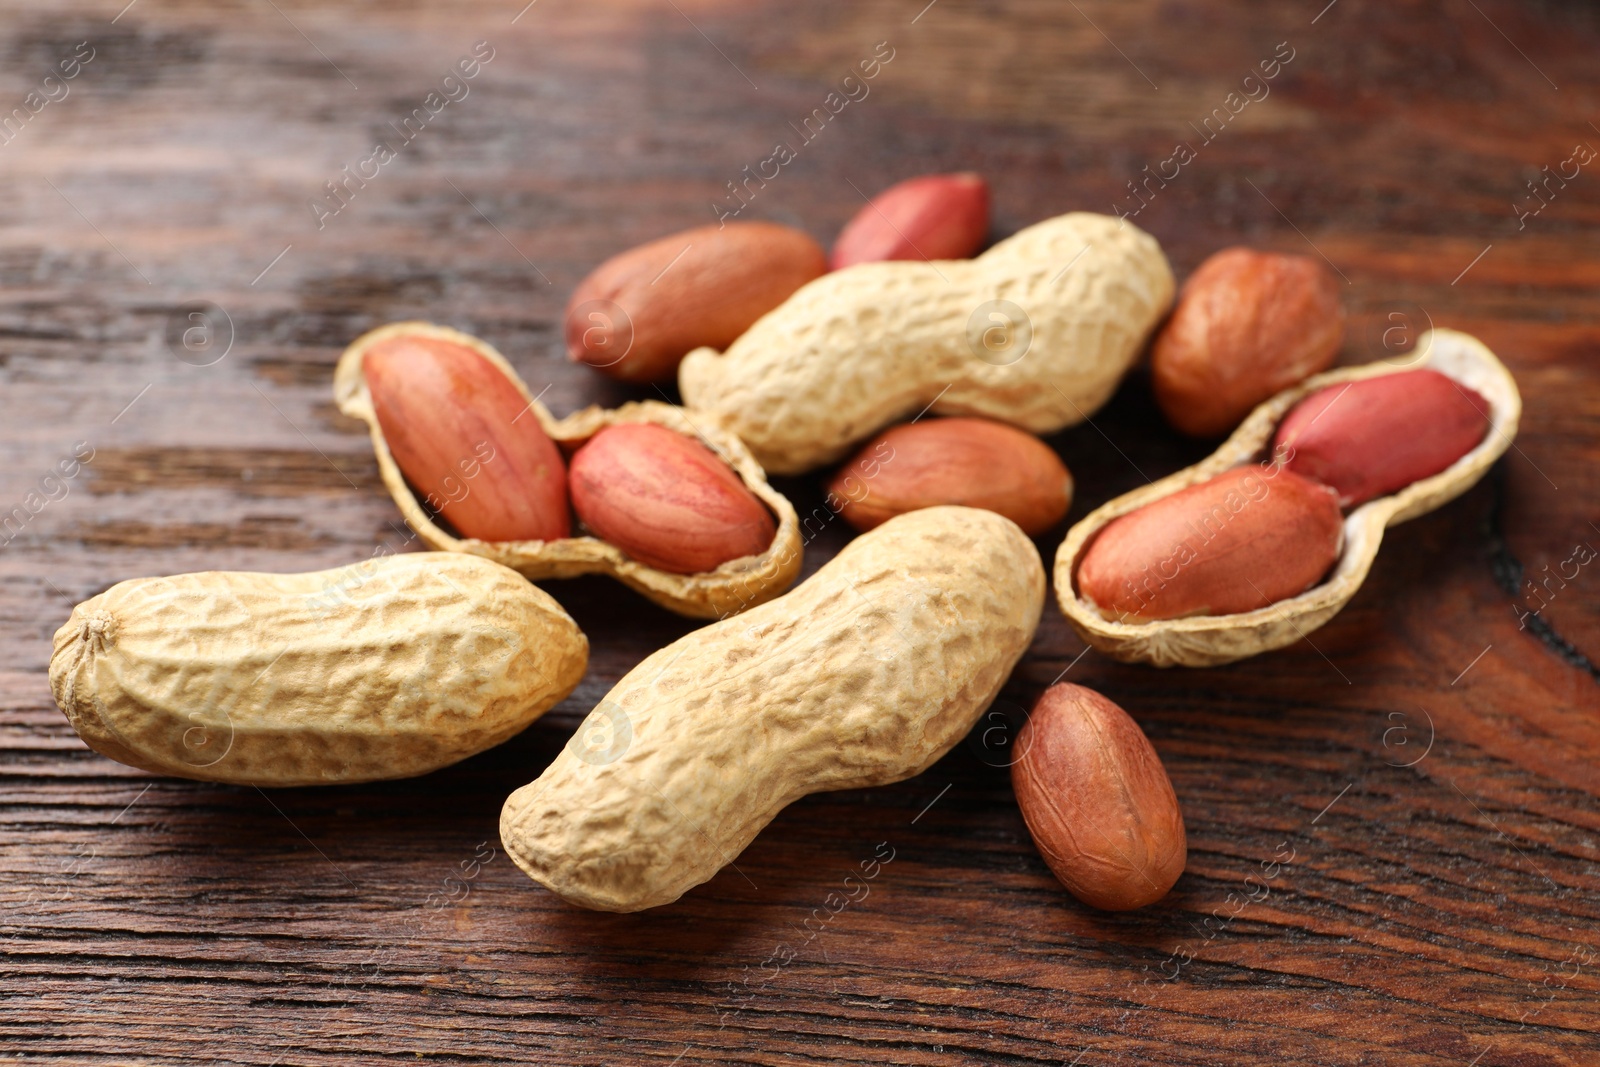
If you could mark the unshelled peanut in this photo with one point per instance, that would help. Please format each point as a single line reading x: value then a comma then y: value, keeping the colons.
x: 1036, y: 332
x: 384, y: 669
x: 865, y: 674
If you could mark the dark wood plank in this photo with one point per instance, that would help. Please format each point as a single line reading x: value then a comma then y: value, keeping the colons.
x: 1428, y: 758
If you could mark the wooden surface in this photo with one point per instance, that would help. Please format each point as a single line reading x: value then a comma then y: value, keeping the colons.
x: 1425, y: 764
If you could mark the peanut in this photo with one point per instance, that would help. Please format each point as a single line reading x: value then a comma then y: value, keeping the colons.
x: 1371, y: 437
x: 450, y: 417
x: 666, y: 500
x: 936, y: 216
x: 384, y: 669
x: 973, y: 462
x: 732, y: 587
x: 1240, y: 541
x: 1036, y: 332
x: 1208, y: 640
x: 636, y: 315
x: 865, y: 674
x: 1097, y: 800
x: 1248, y: 324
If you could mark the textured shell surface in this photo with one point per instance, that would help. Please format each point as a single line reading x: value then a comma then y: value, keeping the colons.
x: 1036, y: 332
x: 384, y: 669
x: 1210, y: 640
x: 865, y: 674
x: 730, y: 588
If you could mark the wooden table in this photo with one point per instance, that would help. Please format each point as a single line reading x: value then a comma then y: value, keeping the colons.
x: 1425, y: 764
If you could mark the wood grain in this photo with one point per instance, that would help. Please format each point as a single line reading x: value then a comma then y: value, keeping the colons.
x: 1428, y: 758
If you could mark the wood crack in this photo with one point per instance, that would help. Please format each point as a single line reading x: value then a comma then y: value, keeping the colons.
x: 1508, y: 570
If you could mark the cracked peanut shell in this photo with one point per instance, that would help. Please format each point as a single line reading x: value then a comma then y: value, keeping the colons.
x: 726, y: 590
x: 1211, y: 640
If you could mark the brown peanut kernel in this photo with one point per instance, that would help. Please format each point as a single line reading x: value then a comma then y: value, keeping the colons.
x: 666, y: 500
x: 1097, y: 800
x: 1240, y: 541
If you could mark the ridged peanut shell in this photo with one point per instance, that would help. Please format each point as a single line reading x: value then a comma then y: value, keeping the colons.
x: 730, y: 588
x: 1209, y: 640
x: 865, y: 674
x: 389, y: 668
x: 1036, y: 332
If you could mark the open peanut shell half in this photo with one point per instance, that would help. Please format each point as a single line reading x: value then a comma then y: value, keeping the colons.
x: 730, y: 588
x: 1209, y: 640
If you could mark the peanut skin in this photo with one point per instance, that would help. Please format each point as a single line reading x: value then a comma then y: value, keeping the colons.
x: 1097, y: 801
x: 666, y: 500
x: 1243, y: 540
x: 383, y: 669
x: 976, y: 463
x: 1248, y: 325
x: 446, y: 411
x: 1372, y: 437
x: 865, y: 674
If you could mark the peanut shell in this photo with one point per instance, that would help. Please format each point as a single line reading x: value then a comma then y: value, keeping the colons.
x: 731, y: 588
x: 1209, y: 640
x: 865, y: 674
x: 383, y: 669
x: 1036, y: 332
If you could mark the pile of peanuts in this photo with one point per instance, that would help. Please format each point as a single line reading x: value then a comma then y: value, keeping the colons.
x: 922, y: 379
